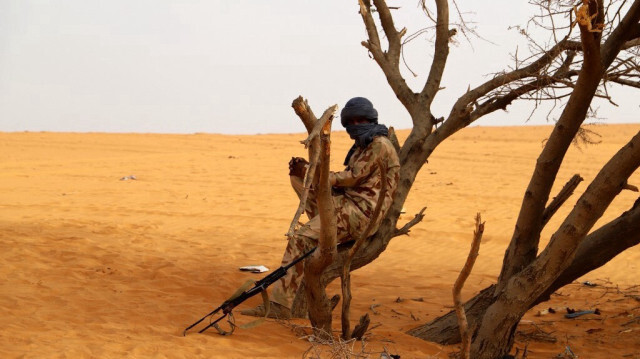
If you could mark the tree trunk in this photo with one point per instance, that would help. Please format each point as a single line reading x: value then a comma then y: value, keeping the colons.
x: 444, y: 330
x: 373, y: 247
x: 598, y: 248
x: 320, y: 307
x: 495, y: 334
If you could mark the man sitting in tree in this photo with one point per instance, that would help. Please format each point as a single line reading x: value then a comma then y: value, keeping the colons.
x: 355, y: 194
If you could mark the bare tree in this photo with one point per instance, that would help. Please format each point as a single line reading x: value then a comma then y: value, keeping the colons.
x: 529, y: 277
x: 603, y: 51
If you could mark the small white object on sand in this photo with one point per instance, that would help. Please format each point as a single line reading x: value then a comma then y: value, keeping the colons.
x: 254, y: 269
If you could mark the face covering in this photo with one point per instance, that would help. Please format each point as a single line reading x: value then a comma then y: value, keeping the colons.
x: 363, y: 134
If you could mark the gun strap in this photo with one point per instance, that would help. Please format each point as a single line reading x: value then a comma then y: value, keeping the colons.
x: 267, y: 308
x: 231, y: 321
x: 231, y: 318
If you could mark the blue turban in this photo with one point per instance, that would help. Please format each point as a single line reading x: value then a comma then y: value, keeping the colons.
x: 358, y: 107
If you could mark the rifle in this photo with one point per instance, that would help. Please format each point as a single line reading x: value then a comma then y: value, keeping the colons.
x: 235, y: 300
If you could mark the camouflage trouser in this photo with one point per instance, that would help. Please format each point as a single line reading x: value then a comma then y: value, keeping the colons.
x: 305, y: 238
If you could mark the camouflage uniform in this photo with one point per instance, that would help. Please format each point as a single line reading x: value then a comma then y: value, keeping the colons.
x: 356, y: 193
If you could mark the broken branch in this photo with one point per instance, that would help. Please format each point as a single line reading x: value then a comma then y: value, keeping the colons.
x: 562, y: 197
x: 319, y: 304
x: 465, y: 334
x: 319, y: 125
x: 303, y: 111
x: 407, y: 227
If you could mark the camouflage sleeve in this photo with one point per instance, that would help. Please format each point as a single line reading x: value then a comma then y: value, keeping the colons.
x: 361, y: 169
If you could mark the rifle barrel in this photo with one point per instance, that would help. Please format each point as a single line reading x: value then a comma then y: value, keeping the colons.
x: 203, y: 318
x: 299, y: 258
x: 212, y: 324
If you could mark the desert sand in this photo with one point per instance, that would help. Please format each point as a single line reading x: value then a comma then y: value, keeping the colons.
x: 98, y: 267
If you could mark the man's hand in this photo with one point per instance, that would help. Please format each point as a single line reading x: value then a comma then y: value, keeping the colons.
x: 298, y: 167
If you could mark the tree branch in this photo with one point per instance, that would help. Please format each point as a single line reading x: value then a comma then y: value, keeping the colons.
x: 460, y: 115
x: 441, y: 52
x: 525, y: 286
x: 318, y: 128
x: 373, y: 44
x: 309, y: 177
x: 523, y: 247
x: 597, y: 249
x: 600, y: 247
x: 388, y: 61
x: 561, y: 198
x: 631, y: 43
x: 465, y: 334
x: 501, y: 102
x: 302, y: 109
x: 319, y: 305
x: 607, y: 184
x: 625, y: 82
x: 617, y: 38
x: 407, y: 227
x: 393, y: 36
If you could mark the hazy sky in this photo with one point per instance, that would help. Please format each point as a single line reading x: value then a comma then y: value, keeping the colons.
x: 230, y: 66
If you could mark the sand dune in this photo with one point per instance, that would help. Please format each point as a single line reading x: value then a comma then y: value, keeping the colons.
x: 98, y: 267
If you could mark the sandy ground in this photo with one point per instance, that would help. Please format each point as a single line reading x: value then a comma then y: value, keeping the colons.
x: 97, y: 267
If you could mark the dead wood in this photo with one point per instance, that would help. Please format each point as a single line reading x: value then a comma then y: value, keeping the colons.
x: 361, y: 328
x: 304, y: 112
x: 320, y: 306
x: 407, y: 227
x: 561, y: 198
x: 465, y: 334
